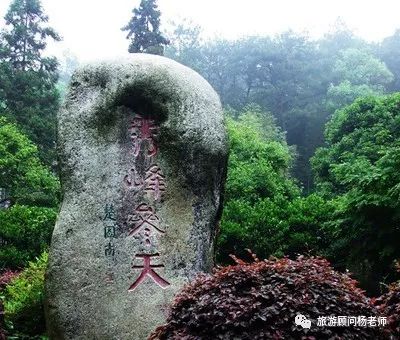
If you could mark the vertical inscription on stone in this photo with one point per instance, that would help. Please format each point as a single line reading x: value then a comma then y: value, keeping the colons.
x: 110, y: 223
x: 144, y: 221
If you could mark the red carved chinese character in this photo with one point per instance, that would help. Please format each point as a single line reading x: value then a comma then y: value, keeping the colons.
x: 147, y: 234
x: 155, y: 181
x: 148, y: 270
x: 143, y: 129
x: 133, y: 180
x: 144, y: 219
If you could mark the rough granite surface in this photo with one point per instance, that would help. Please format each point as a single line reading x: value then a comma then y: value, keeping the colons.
x: 112, y: 216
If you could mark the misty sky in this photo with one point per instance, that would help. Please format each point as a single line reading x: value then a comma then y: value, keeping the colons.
x: 91, y: 28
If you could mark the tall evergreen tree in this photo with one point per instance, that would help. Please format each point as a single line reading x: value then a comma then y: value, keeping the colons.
x: 144, y: 29
x: 25, y: 39
x: 28, y: 79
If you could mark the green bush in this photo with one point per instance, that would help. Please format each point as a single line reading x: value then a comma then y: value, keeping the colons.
x: 275, y: 226
x: 26, y: 180
x: 23, y: 301
x: 359, y: 170
x: 263, y: 208
x: 26, y: 232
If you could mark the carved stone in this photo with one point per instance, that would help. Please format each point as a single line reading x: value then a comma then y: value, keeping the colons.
x: 143, y: 154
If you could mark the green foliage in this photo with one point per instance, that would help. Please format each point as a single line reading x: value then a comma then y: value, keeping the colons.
x: 284, y: 75
x: 28, y: 93
x: 23, y: 301
x: 389, y: 52
x: 23, y: 43
x: 185, y: 43
x: 360, y: 67
x: 31, y: 100
x: 26, y: 232
x: 303, y: 223
x: 26, y: 227
x: 275, y: 226
x: 358, y: 74
x: 345, y: 93
x: 263, y: 209
x: 359, y: 170
x: 259, y: 160
x: 299, y: 80
x: 25, y: 179
x: 144, y: 29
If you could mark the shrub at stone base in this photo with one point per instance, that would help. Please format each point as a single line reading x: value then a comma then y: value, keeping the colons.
x: 261, y: 300
x: 23, y: 301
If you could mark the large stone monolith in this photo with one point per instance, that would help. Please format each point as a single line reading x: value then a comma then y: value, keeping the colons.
x: 143, y: 155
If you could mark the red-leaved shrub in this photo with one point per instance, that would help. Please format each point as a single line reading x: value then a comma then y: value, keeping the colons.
x: 6, y: 277
x: 389, y: 304
x: 260, y: 300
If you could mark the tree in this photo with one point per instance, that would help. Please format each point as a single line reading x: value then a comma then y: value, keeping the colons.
x: 26, y: 227
x: 283, y: 74
x: 389, y: 52
x: 25, y: 40
x: 263, y: 209
x: 359, y: 171
x: 25, y: 232
x: 338, y: 39
x: 144, y: 29
x: 28, y: 93
x: 358, y: 73
x: 299, y: 80
x: 32, y: 190
x: 185, y: 43
x: 23, y: 176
